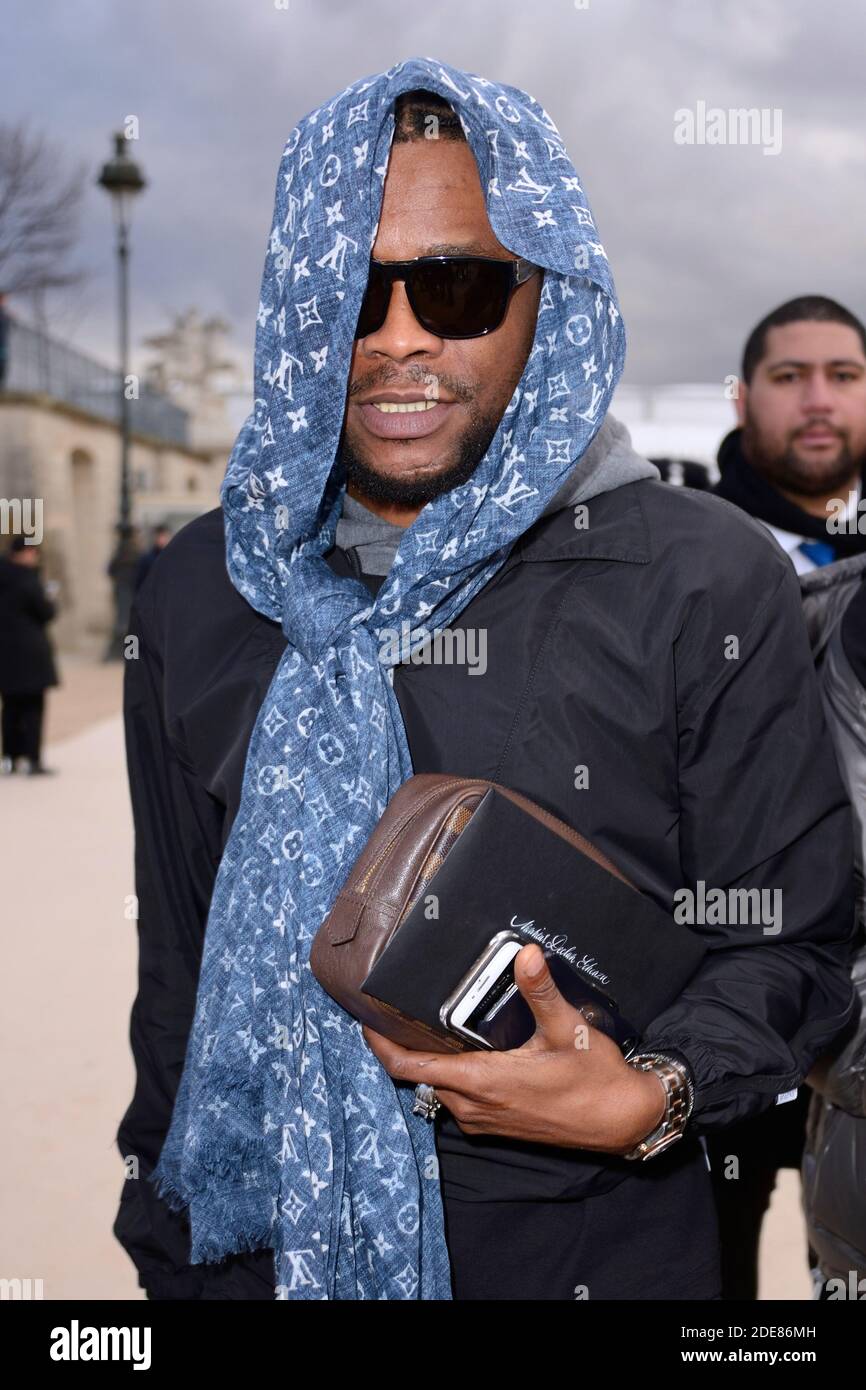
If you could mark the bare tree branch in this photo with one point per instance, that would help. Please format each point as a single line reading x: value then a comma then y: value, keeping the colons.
x: 40, y: 205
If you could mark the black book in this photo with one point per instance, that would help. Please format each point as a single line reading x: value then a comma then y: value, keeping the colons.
x: 508, y: 872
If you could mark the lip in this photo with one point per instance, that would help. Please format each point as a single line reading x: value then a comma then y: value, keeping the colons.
x: 413, y: 425
x: 818, y: 436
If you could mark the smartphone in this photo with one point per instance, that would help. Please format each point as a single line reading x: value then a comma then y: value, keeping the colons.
x: 488, y: 1010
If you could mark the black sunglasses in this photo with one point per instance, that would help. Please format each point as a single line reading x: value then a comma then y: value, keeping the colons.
x: 451, y: 296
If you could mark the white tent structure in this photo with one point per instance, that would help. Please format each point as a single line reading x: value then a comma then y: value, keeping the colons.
x: 685, y: 422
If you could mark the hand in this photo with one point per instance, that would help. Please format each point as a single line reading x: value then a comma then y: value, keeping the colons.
x: 568, y: 1085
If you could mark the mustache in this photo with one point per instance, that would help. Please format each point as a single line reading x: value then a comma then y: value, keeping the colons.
x: 418, y: 376
x: 820, y: 424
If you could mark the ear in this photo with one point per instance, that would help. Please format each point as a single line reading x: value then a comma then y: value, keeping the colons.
x: 740, y: 403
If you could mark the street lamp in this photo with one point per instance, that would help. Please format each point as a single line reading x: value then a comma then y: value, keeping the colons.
x: 122, y: 178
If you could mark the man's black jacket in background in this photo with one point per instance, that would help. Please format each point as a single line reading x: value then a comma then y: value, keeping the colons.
x: 606, y: 650
x: 773, y: 1140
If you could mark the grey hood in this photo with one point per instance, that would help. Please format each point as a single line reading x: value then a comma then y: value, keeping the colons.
x: 609, y: 462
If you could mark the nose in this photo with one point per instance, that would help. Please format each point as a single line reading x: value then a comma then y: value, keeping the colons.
x: 401, y: 335
x: 817, y: 396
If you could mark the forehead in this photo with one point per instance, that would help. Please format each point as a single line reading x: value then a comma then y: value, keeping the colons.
x: 813, y: 342
x: 433, y: 199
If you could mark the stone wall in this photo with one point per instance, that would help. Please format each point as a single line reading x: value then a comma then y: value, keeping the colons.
x: 71, y: 461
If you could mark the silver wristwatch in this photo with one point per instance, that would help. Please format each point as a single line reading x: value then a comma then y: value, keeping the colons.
x: 680, y: 1097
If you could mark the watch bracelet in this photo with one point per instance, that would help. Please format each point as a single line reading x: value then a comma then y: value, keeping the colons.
x: 677, y: 1059
x: 645, y: 1061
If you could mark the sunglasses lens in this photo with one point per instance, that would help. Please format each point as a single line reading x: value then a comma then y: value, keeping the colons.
x: 454, y: 297
x: 460, y: 299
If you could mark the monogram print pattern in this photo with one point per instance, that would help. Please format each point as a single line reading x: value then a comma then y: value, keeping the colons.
x: 287, y: 1133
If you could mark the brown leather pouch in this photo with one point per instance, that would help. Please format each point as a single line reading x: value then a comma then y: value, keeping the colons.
x: 422, y: 823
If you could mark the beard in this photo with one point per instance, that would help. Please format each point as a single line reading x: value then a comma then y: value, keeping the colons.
x: 785, y: 469
x: 418, y: 491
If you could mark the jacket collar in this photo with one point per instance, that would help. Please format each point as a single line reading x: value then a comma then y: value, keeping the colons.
x: 611, y: 526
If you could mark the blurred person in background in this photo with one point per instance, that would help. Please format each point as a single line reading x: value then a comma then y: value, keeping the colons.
x: 800, y: 444
x: 801, y: 440
x: 27, y: 666
x: 160, y: 537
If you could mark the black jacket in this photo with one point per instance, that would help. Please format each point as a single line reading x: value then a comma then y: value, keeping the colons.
x: 26, y: 660
x: 834, y: 1158
x: 608, y: 647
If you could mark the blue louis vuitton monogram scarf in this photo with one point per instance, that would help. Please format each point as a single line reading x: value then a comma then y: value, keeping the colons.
x: 287, y: 1133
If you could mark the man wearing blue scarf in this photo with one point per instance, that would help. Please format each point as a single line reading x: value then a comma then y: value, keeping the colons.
x: 438, y: 341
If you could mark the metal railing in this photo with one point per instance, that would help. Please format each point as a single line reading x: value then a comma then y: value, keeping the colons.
x: 38, y: 364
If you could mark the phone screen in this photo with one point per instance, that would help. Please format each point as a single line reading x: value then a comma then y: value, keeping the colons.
x: 502, y: 1019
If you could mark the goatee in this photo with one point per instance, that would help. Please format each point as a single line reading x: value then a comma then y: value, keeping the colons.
x: 418, y: 491
x: 787, y: 470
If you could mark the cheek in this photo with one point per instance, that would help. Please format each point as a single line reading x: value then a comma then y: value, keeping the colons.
x: 776, y: 416
x: 854, y: 412
x: 492, y: 372
x: 498, y: 364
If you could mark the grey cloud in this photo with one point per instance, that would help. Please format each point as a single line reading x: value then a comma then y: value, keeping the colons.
x: 702, y: 240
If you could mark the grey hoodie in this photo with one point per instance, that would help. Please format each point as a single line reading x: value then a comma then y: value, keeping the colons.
x: 609, y: 462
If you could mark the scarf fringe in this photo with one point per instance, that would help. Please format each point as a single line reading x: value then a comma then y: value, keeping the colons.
x: 223, y: 1183
x: 234, y: 1226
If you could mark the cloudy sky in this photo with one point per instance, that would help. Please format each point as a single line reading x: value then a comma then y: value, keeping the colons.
x: 703, y: 239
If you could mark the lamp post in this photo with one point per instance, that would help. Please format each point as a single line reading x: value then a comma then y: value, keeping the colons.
x: 122, y: 178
